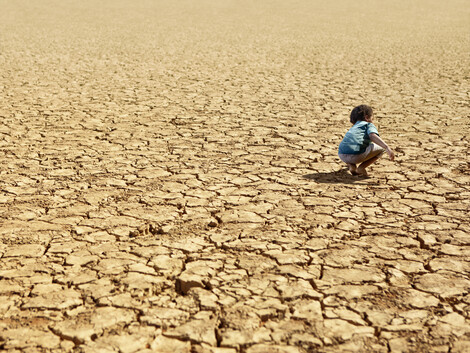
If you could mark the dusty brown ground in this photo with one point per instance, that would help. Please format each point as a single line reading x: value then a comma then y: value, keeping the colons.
x: 169, y: 179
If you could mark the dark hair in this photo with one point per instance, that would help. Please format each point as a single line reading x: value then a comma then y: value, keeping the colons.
x: 360, y: 113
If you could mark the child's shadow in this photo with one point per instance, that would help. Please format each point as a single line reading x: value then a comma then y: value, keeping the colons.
x: 339, y: 177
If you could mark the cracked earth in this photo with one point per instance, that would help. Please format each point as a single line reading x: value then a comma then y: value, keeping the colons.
x: 169, y: 179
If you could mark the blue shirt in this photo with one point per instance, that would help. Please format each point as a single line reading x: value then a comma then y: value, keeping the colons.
x: 357, y: 138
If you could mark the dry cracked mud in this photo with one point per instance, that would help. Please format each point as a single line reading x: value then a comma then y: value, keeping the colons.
x: 169, y: 179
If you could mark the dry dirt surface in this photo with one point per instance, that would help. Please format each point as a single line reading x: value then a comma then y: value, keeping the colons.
x: 169, y: 179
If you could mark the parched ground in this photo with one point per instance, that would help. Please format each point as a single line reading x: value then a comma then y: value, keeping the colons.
x: 169, y: 179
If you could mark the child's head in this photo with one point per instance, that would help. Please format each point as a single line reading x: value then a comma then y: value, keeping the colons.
x: 361, y: 113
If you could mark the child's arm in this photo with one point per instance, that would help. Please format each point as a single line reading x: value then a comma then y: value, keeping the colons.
x: 377, y: 140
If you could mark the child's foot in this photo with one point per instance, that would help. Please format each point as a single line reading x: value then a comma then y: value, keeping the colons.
x: 361, y: 171
x: 352, y: 169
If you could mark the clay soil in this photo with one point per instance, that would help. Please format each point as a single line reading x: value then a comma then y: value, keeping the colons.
x: 169, y: 179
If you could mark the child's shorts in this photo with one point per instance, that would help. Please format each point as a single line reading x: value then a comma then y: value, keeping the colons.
x: 372, y: 151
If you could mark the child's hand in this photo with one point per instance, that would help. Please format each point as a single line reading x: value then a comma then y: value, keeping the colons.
x: 376, y: 139
x: 390, y: 153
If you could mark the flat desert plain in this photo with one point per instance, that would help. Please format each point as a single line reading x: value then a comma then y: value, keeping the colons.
x: 169, y: 179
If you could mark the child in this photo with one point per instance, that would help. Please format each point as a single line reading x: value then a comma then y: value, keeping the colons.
x: 357, y: 146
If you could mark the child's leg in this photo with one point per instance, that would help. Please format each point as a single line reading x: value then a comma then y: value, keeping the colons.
x: 350, y: 160
x: 373, y: 153
x: 362, y: 167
